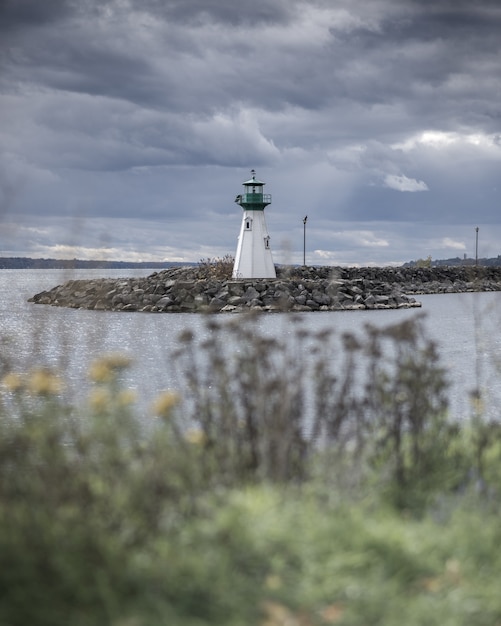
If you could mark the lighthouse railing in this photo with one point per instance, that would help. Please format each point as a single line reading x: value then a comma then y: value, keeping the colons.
x: 256, y: 198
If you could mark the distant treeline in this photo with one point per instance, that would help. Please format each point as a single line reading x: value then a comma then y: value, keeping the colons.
x: 16, y: 263
x: 492, y: 262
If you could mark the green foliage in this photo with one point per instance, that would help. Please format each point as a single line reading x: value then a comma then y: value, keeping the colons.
x: 272, y: 489
x: 424, y: 262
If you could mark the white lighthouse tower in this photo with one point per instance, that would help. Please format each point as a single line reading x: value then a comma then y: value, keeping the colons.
x: 253, y: 258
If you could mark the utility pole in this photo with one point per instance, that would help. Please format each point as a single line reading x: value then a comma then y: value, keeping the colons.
x: 305, y: 219
x: 476, y: 245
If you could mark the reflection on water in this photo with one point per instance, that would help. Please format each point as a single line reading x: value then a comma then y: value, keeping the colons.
x: 465, y: 326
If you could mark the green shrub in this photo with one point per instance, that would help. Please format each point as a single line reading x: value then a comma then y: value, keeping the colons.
x: 271, y: 490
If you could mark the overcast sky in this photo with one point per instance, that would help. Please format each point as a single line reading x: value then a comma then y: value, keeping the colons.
x: 128, y: 126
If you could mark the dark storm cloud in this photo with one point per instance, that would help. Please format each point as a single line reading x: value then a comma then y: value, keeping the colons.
x: 15, y: 14
x: 379, y: 112
x: 202, y: 73
x: 431, y: 62
x: 226, y: 12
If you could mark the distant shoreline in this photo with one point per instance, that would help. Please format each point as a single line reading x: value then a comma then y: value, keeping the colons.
x: 20, y: 263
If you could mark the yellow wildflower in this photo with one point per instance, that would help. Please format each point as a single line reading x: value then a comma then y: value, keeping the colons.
x: 99, y: 372
x: 105, y: 369
x: 12, y: 381
x: 126, y: 397
x: 100, y: 399
x: 44, y: 382
x: 195, y: 436
x: 117, y: 361
x: 165, y: 402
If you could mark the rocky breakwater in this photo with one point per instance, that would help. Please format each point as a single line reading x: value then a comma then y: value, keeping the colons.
x: 193, y: 289
x: 432, y: 280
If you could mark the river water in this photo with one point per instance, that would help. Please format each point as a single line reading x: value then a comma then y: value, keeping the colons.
x: 465, y: 326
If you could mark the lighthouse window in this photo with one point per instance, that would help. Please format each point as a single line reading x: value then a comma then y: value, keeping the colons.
x: 267, y: 243
x: 248, y: 224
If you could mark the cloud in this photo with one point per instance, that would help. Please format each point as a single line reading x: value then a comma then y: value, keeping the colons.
x: 402, y: 183
x: 142, y: 117
x: 447, y: 242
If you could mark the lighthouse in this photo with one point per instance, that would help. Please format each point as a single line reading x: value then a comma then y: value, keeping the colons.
x: 253, y: 258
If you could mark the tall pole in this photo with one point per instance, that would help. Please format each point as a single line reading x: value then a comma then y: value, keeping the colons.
x: 305, y: 219
x: 476, y: 245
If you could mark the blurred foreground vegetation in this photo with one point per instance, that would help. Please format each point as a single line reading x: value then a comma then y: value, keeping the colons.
x: 318, y: 481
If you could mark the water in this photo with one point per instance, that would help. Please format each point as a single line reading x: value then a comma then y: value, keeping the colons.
x: 464, y: 325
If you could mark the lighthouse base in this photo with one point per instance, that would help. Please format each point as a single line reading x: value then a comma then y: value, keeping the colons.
x: 253, y: 258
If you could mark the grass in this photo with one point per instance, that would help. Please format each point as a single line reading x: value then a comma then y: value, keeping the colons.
x: 260, y: 493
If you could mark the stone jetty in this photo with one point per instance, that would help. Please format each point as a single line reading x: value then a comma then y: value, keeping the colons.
x: 194, y: 289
